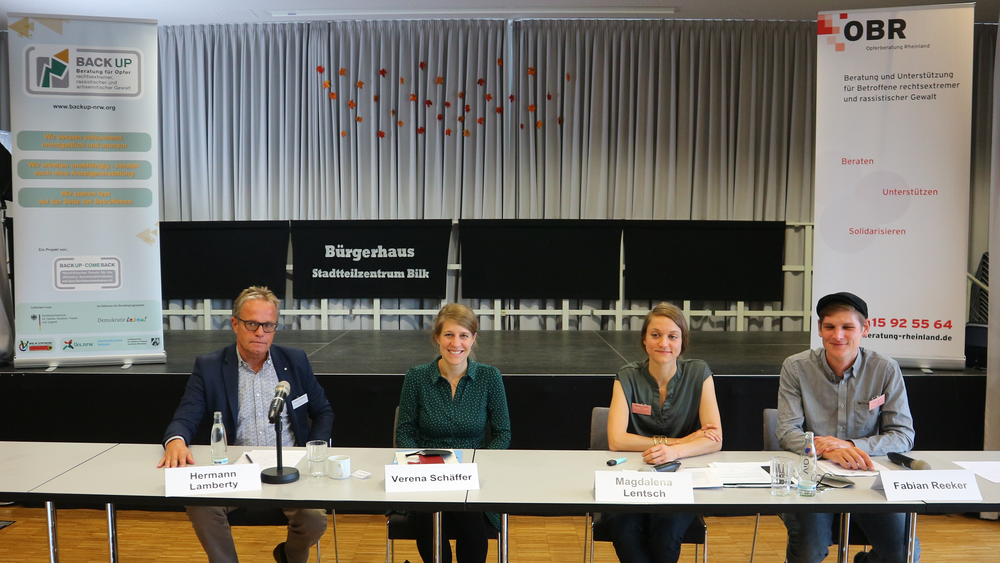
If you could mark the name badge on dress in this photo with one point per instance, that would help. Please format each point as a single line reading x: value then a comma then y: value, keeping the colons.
x: 639, y: 408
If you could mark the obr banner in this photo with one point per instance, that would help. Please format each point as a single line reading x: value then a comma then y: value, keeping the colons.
x: 85, y: 155
x: 893, y: 118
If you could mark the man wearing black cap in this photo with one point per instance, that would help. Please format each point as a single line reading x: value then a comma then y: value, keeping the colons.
x: 854, y: 401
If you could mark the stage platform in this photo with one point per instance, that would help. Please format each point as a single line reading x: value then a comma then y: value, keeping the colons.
x: 553, y: 380
x: 600, y: 353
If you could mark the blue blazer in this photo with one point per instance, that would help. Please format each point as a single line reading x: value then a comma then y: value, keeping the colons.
x: 214, y: 386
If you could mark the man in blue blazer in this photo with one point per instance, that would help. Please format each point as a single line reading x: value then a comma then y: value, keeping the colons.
x: 239, y: 382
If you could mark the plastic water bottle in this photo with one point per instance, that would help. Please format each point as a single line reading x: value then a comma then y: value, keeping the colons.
x: 219, y: 454
x: 807, y: 468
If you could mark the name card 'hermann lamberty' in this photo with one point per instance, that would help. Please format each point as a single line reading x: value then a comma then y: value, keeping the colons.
x: 641, y: 487
x: 431, y: 477
x: 207, y: 479
x: 929, y: 486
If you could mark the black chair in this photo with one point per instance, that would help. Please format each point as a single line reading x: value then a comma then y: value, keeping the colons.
x: 397, y: 525
x: 854, y: 536
x: 250, y: 516
x: 696, y: 534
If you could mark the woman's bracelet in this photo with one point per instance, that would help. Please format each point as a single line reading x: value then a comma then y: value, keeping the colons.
x: 660, y: 439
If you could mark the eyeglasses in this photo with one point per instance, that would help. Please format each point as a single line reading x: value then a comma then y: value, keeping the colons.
x: 253, y: 325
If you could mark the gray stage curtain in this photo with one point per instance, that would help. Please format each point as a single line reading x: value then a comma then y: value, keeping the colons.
x: 991, y: 436
x: 661, y: 119
x: 984, y: 60
x: 666, y: 119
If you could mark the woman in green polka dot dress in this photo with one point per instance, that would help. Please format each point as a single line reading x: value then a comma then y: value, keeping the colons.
x: 449, y: 403
x: 664, y: 407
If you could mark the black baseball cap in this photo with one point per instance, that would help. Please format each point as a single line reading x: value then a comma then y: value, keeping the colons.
x: 843, y: 297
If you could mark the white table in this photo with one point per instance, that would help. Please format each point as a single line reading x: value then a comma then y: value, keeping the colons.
x: 528, y: 481
x: 25, y: 466
x: 563, y: 481
x: 128, y: 473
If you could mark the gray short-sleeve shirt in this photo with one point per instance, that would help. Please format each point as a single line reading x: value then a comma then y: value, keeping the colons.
x: 679, y: 415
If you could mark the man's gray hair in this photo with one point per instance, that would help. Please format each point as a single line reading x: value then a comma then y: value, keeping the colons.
x: 255, y: 292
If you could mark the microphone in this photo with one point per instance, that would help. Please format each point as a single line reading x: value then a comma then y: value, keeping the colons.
x: 908, y: 462
x: 278, y: 402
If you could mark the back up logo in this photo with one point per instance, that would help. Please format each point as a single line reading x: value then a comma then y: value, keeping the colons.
x: 83, y: 71
x: 53, y: 72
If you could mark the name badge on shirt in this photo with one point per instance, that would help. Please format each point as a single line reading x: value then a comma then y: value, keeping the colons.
x: 638, y: 408
x: 304, y: 398
x: 876, y: 402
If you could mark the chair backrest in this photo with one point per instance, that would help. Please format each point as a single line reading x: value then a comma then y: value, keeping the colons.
x: 770, y: 429
x: 395, y: 423
x: 599, y: 428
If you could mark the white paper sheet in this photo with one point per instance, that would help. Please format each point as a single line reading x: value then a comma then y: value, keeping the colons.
x: 827, y: 466
x: 989, y: 470
x: 703, y: 478
x: 750, y: 473
x: 269, y: 458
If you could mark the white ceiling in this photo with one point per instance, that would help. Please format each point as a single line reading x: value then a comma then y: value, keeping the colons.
x: 172, y: 12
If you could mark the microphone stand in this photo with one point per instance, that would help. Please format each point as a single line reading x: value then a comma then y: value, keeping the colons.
x: 279, y: 475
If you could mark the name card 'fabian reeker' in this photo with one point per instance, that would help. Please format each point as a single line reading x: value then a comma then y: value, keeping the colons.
x: 928, y: 485
x: 431, y: 477
x: 205, y: 480
x: 640, y: 487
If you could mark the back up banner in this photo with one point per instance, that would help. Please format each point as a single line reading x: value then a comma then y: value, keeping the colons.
x: 893, y: 118
x: 83, y: 95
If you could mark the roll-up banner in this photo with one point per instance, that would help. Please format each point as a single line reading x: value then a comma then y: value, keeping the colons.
x: 893, y: 118
x: 84, y: 113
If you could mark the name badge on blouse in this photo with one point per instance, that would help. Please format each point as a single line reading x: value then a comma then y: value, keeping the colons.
x: 642, y: 409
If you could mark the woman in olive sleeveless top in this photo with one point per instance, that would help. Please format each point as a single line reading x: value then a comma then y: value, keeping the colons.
x: 666, y: 408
